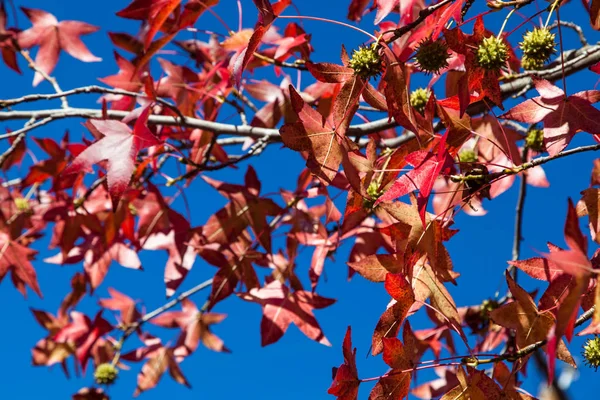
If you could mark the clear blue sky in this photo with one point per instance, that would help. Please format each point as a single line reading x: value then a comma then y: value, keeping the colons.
x: 295, y: 367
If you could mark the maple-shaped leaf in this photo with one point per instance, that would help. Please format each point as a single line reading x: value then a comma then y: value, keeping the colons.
x: 16, y: 258
x: 589, y: 206
x: 345, y: 380
x: 83, y: 333
x: 329, y: 72
x: 245, y: 209
x: 181, y: 84
x: 483, y: 81
x: 575, y: 263
x: 162, y: 228
x: 385, y: 7
x: 7, y: 47
x: 594, y: 10
x: 195, y: 328
x: 427, y: 167
x: 52, y: 36
x: 416, y: 240
x: 312, y: 134
x: 562, y: 115
x: 161, y: 360
x: 437, y: 387
x: 119, y: 147
x: 90, y: 393
x: 541, y: 268
x: 52, y: 167
x: 375, y: 267
x: 47, y: 351
x: 128, y: 78
x: 155, y: 12
x: 523, y: 316
x: 97, y: 256
x: 391, y: 320
x: 396, y: 91
x: 282, y: 307
x: 122, y: 303
x: 396, y: 383
x: 474, y: 384
x: 267, y: 14
x: 356, y: 9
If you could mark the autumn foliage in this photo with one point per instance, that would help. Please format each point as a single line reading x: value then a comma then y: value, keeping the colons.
x: 387, y: 170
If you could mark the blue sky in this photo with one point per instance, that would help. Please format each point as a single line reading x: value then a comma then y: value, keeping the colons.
x: 295, y: 367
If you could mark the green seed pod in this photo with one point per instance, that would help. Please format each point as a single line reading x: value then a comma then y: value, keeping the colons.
x: 105, y: 374
x: 531, y: 64
x: 591, y: 353
x: 366, y: 61
x: 432, y: 56
x: 22, y: 205
x: 535, y: 140
x: 538, y: 46
x: 419, y: 99
x: 492, y: 53
x: 467, y: 156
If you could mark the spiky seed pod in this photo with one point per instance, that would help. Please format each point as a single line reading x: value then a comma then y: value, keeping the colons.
x: 591, y: 353
x: 538, y: 46
x: 366, y: 61
x: 432, y: 56
x: 105, y: 374
x: 467, y: 156
x: 492, y: 53
x: 488, y: 305
x: 531, y: 64
x: 419, y: 98
x: 22, y: 205
x: 535, y: 140
x: 374, y: 193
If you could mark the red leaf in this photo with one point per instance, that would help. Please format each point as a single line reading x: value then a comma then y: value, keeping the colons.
x: 195, y: 328
x: 576, y: 263
x: 345, y: 381
x: 155, y: 12
x: 52, y: 36
x: 391, y: 320
x: 595, y: 14
x: 282, y: 307
x: 311, y: 133
x: 329, y: 72
x: 17, y: 258
x: 562, y: 116
x: 427, y: 168
x: 154, y: 369
x: 122, y: 303
x: 83, y: 333
x: 119, y: 146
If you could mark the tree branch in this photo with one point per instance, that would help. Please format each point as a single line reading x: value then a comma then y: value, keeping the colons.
x: 575, y: 60
x: 50, y: 79
x: 524, y: 166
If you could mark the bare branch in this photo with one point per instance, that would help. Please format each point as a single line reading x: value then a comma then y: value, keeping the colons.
x: 26, y: 128
x: 50, y: 79
x: 524, y: 166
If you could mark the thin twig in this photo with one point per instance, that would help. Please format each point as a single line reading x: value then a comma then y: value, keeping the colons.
x: 84, y: 90
x: 423, y: 14
x: 26, y: 128
x: 525, y: 351
x: 519, y: 211
x: 50, y: 79
x: 254, y: 150
x: 299, y: 64
x: 524, y: 166
x: 573, y: 26
x: 11, y: 149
